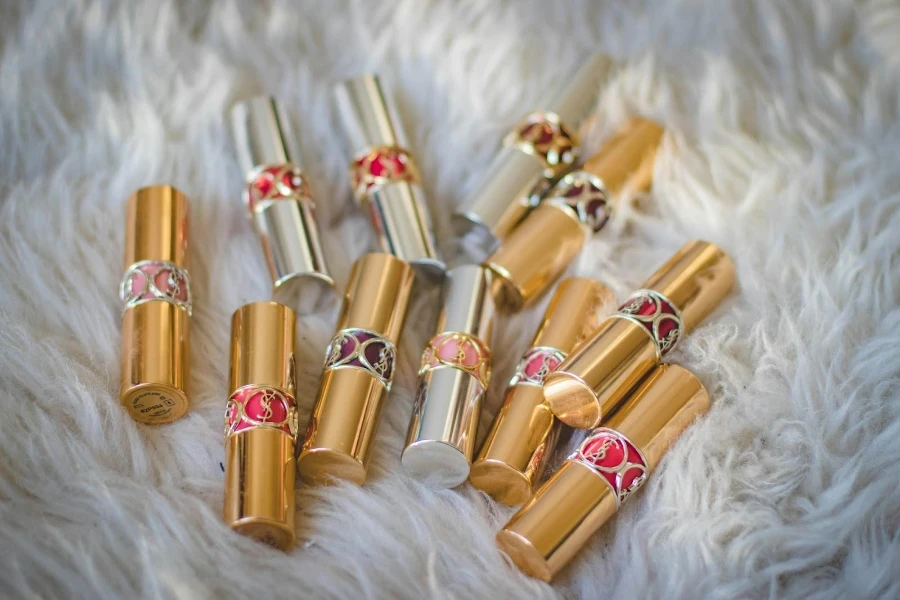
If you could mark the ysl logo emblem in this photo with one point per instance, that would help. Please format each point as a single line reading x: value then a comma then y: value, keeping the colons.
x: 265, y: 405
x: 460, y: 354
x: 544, y: 370
x: 600, y: 453
x: 382, y: 364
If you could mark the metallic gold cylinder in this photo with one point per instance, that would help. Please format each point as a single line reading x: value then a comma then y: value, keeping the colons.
x: 157, y: 296
x: 524, y: 432
x: 595, y: 378
x: 384, y: 175
x: 359, y: 369
x: 609, y: 466
x: 280, y: 204
x: 453, y: 377
x: 546, y: 242
x: 261, y: 424
x: 543, y: 146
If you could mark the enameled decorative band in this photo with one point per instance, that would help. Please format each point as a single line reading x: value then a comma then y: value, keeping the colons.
x: 657, y: 315
x: 542, y: 135
x: 362, y: 349
x: 536, y: 364
x: 458, y: 351
x: 255, y: 407
x: 149, y: 280
x: 380, y: 166
x: 272, y: 183
x: 615, y: 458
x: 585, y: 196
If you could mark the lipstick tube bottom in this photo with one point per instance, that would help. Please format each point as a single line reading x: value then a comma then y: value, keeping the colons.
x: 259, y: 486
x: 155, y: 347
x: 341, y: 428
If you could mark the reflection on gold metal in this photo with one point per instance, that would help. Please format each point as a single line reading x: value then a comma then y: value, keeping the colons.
x: 542, y: 148
x: 545, y: 243
x: 524, y: 432
x: 156, y: 292
x: 548, y: 531
x: 261, y: 424
x: 348, y: 404
x: 597, y: 377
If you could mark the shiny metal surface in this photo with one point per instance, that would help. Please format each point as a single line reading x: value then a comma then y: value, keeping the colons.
x: 293, y: 252
x: 450, y: 394
x: 262, y: 133
x: 550, y: 529
x: 506, y: 193
x: 627, y: 157
x: 397, y: 209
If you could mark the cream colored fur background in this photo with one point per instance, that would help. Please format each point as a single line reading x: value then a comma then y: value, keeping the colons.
x: 783, y: 147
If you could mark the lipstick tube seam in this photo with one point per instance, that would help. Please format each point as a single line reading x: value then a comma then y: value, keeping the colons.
x: 280, y: 204
x: 610, y: 465
x: 261, y: 424
x: 174, y: 289
x: 599, y: 375
x: 155, y: 291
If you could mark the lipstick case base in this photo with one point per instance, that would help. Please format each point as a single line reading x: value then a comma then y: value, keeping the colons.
x: 501, y: 481
x: 306, y: 293
x: 436, y: 464
x: 326, y: 466
x: 155, y: 348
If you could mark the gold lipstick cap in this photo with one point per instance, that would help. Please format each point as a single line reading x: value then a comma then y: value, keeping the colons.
x: 156, y: 291
x: 543, y: 146
x: 280, y: 204
x: 453, y: 378
x: 596, y: 377
x: 359, y: 368
x: 384, y: 176
x: 546, y: 242
x: 610, y: 465
x: 524, y: 432
x: 261, y: 424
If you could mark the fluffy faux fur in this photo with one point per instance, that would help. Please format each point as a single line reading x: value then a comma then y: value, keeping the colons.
x: 782, y: 147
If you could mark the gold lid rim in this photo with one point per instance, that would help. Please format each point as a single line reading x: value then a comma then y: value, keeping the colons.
x: 587, y: 411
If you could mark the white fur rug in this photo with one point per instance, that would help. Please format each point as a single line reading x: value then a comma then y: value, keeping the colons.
x: 783, y: 146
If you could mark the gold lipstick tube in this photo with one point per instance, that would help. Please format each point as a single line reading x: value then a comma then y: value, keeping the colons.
x: 524, y: 432
x: 546, y: 242
x: 281, y: 207
x: 261, y: 424
x: 629, y: 343
x: 359, y: 368
x: 384, y: 175
x: 156, y: 291
x: 453, y: 377
x: 609, y: 466
x: 543, y: 146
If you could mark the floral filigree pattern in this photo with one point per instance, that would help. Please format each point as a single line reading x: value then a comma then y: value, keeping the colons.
x: 150, y: 280
x: 271, y: 183
x: 657, y: 315
x: 536, y: 364
x: 381, y: 166
x: 252, y: 407
x: 542, y: 135
x: 610, y: 454
x: 362, y: 349
x: 585, y: 196
x: 458, y: 351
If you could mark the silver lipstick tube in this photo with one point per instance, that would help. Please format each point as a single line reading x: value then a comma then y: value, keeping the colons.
x: 543, y: 147
x: 280, y: 205
x: 453, y: 378
x: 384, y: 175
